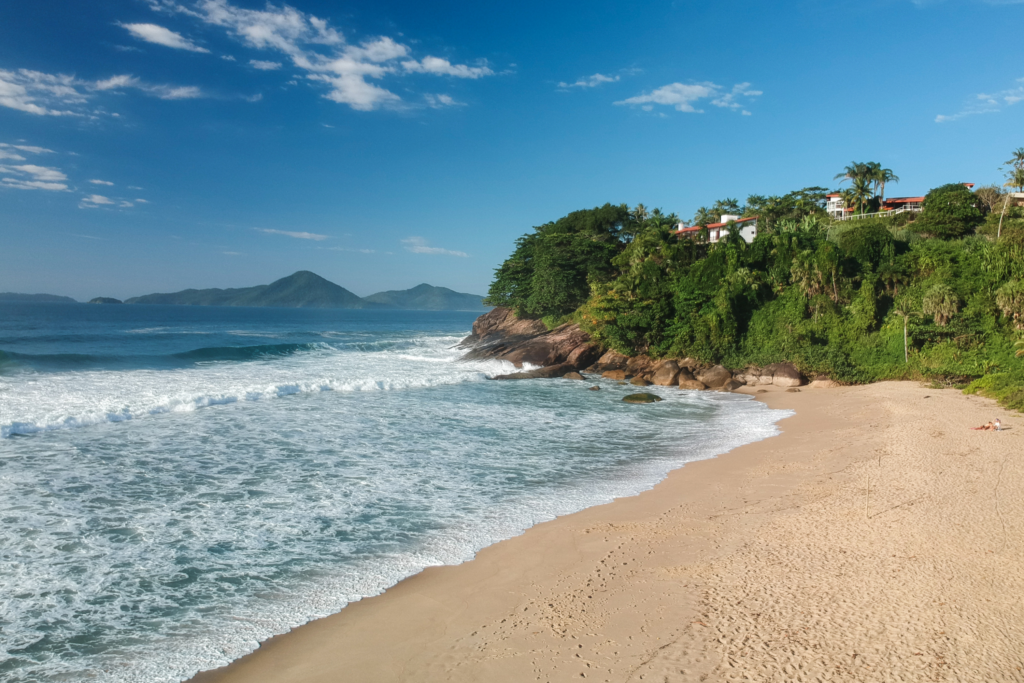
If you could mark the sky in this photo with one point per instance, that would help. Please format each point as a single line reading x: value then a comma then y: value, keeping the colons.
x: 155, y: 145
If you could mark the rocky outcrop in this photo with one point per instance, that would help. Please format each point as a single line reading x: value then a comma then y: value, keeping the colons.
x: 639, y: 382
x: 611, y: 360
x: 714, y: 377
x: 666, y: 373
x: 560, y: 370
x: 779, y: 374
x: 500, y: 334
x: 614, y: 374
x: 692, y: 385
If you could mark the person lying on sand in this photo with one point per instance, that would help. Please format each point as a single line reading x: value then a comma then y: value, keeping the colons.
x: 993, y: 426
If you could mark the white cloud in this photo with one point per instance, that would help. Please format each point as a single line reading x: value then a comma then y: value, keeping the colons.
x: 440, y: 101
x: 683, y: 97
x: 228, y: 58
x: 10, y: 156
x: 321, y: 51
x: 38, y: 93
x: 296, y: 235
x: 32, y: 177
x: 589, y: 81
x: 98, y: 199
x: 418, y: 245
x: 442, y: 67
x: 101, y: 182
x: 134, y: 187
x: 987, y: 103
x: 29, y: 148
x: 151, y: 33
x: 264, y: 66
x: 44, y: 94
x: 142, y: 201
x: 728, y: 100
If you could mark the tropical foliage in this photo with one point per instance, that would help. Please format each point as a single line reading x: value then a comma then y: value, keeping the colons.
x: 857, y: 300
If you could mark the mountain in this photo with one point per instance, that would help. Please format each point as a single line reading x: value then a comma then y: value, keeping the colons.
x: 428, y: 298
x: 301, y: 290
x: 11, y: 297
x: 105, y: 300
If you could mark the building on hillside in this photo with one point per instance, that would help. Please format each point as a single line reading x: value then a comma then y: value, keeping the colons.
x: 716, y: 231
x: 838, y: 210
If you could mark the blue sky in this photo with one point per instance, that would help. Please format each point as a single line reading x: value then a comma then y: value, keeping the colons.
x: 154, y: 145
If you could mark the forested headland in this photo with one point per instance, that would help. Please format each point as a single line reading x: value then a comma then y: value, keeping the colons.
x: 936, y: 295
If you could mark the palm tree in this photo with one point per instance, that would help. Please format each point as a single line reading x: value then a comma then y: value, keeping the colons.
x: 1017, y: 160
x: 942, y: 303
x: 904, y: 308
x: 704, y: 216
x: 853, y: 171
x: 861, y: 192
x: 1015, y: 176
x: 883, y: 176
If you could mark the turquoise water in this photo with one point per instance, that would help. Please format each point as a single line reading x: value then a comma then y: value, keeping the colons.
x: 178, y: 484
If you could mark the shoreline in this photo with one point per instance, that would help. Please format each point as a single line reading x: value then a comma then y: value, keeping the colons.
x: 768, y: 560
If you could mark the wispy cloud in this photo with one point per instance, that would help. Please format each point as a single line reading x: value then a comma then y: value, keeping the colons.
x: 151, y: 33
x: 418, y: 245
x: 93, y: 201
x: 685, y: 97
x: 264, y: 66
x: 589, y: 81
x: 984, y: 103
x: 101, y: 182
x: 296, y: 235
x: 441, y: 101
x: 43, y: 94
x: 346, y: 70
x: 32, y: 177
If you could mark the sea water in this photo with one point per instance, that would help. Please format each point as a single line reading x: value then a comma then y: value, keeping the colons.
x: 178, y: 484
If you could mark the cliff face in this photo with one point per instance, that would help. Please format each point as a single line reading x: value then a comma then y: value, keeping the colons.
x: 500, y: 334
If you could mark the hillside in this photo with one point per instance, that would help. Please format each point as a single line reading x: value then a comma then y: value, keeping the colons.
x: 429, y: 298
x: 300, y: 290
x: 308, y: 290
x: 12, y: 297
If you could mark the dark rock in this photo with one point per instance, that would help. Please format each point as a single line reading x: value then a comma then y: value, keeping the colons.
x: 684, y: 374
x: 731, y: 385
x: 559, y: 370
x: 640, y: 382
x: 692, y: 385
x: 500, y: 334
x: 583, y: 355
x: 666, y: 373
x: 595, y: 389
x: 715, y: 377
x: 572, y: 375
x: 611, y: 360
x: 639, y: 365
x: 642, y: 398
x: 785, y: 375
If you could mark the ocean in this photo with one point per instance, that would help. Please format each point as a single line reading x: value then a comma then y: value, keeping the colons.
x: 178, y: 484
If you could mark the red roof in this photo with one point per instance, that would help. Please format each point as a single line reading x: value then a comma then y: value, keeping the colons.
x: 904, y: 200
x: 694, y: 228
x: 834, y: 194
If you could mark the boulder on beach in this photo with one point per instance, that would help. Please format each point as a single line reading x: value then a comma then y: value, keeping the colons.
x: 822, y: 382
x: 572, y: 375
x: 614, y: 374
x: 583, y: 355
x: 594, y: 389
x: 642, y: 398
x: 785, y: 375
x: 692, y: 385
x: 640, y: 382
x: 666, y: 373
x: 731, y: 385
x: 715, y: 377
x: 611, y: 360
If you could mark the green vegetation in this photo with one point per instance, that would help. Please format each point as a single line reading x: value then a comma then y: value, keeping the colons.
x: 937, y: 296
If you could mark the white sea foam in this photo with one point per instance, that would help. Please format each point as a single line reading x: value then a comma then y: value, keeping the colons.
x: 145, y: 552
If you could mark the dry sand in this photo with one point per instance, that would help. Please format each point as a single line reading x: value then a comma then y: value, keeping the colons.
x: 877, y: 539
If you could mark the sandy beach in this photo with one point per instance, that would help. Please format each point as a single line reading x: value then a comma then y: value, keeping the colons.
x: 878, y: 538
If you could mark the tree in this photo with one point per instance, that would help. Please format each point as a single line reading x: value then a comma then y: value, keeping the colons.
x: 942, y: 303
x: 883, y: 176
x: 1015, y: 174
x: 990, y: 196
x: 949, y: 211
x: 861, y: 192
x: 904, y: 308
x: 1010, y: 300
x: 853, y: 172
x: 726, y: 206
x: 704, y: 217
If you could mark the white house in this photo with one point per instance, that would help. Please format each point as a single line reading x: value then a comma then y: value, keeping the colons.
x: 716, y: 231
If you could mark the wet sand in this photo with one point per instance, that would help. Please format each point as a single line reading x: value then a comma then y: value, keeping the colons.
x: 877, y: 539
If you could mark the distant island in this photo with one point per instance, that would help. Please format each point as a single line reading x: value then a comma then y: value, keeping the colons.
x: 105, y: 300
x: 308, y: 290
x: 13, y: 298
